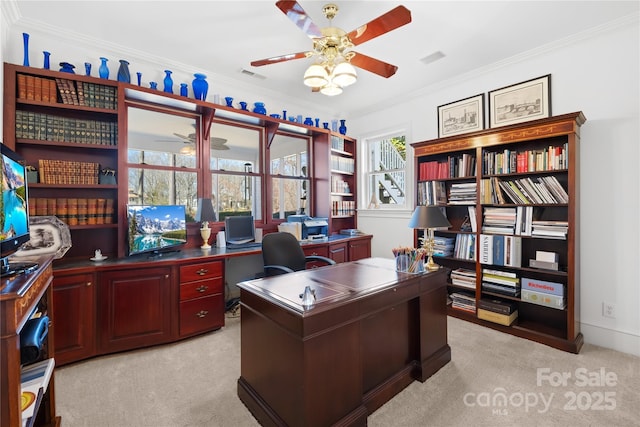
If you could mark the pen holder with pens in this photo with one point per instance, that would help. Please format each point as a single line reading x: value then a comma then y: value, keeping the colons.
x: 409, y: 260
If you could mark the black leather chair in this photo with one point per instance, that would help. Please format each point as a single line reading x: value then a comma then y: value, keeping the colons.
x: 282, y: 253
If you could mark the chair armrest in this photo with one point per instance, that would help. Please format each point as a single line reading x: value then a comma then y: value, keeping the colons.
x: 280, y: 269
x: 326, y: 260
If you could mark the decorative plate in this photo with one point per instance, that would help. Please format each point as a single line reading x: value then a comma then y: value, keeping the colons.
x: 49, y: 235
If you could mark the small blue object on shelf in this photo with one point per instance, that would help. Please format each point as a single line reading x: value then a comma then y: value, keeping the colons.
x: 325, y: 125
x: 139, y: 75
x: 200, y: 86
x: 243, y: 105
x: 65, y: 67
x: 184, y: 89
x: 259, y: 108
x: 153, y: 85
x: 229, y: 101
x: 308, y: 121
x: 168, y: 82
x: 284, y: 114
x: 317, y: 122
x: 87, y: 68
x: 123, y: 72
x: 25, y: 45
x: 342, y: 129
x: 46, y: 65
x: 103, y: 71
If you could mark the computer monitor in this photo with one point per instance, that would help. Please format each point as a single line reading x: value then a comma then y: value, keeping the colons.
x: 239, y: 229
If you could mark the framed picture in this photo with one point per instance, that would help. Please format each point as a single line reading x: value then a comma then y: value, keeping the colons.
x: 466, y: 115
x: 521, y: 102
x: 49, y: 235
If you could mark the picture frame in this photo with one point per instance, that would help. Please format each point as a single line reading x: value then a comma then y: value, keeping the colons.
x: 463, y: 116
x: 49, y: 235
x: 521, y: 102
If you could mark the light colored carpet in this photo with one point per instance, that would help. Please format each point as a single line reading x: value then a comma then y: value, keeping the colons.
x: 492, y: 380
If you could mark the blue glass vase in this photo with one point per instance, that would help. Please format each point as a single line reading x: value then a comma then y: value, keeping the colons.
x: 46, y: 65
x: 168, y: 82
x: 200, y: 86
x: 342, y: 129
x: 25, y: 45
x: 308, y: 121
x: 243, y: 105
x: 139, y: 74
x: 153, y: 85
x: 123, y: 72
x: 184, y: 89
x: 259, y: 108
x: 87, y: 68
x: 65, y: 67
x: 103, y: 71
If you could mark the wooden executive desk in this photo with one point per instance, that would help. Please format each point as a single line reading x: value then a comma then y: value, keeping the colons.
x: 371, y: 333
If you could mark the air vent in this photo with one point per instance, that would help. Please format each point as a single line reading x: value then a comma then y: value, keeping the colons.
x: 432, y: 57
x: 252, y: 74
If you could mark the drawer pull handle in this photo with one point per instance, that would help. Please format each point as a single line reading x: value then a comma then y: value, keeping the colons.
x: 202, y: 313
x: 202, y: 272
x: 89, y: 283
x: 202, y: 288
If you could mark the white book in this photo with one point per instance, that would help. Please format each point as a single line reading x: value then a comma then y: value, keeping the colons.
x: 486, y: 249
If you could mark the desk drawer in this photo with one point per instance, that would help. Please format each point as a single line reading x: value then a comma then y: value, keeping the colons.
x: 204, y: 270
x: 200, y: 288
x: 201, y: 314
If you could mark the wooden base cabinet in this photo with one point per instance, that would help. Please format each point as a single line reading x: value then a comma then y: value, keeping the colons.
x: 74, y: 302
x: 201, y: 297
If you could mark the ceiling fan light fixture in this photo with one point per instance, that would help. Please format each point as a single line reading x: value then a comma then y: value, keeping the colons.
x: 331, y: 89
x: 316, y: 76
x: 344, y: 74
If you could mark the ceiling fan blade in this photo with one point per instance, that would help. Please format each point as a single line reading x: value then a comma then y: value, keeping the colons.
x: 186, y: 138
x: 281, y: 58
x: 373, y: 65
x: 383, y: 24
x: 298, y: 16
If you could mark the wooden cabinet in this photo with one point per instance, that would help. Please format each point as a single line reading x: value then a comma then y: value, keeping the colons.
x: 74, y: 302
x: 316, y: 250
x: 511, y: 195
x: 134, y: 308
x: 22, y: 298
x: 359, y: 248
x: 201, y: 297
x: 338, y: 252
x: 66, y: 126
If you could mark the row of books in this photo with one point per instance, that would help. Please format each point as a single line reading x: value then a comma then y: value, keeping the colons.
x: 337, y: 143
x: 68, y: 172
x: 47, y: 127
x: 453, y: 167
x: 34, y: 88
x: 465, y: 247
x: 509, y: 161
x: 74, y: 211
x: 502, y: 250
x: 342, y: 164
x: 71, y: 92
x: 432, y: 193
x: 540, y: 190
x: 339, y: 185
x: 343, y: 207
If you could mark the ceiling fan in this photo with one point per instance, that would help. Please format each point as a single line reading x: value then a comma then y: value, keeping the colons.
x: 333, y: 69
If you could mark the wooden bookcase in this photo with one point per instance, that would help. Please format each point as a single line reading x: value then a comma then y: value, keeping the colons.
x: 488, y: 157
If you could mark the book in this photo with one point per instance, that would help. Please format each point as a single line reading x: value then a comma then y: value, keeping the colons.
x: 512, y: 291
x: 534, y: 263
x: 502, y: 319
x: 543, y: 286
x: 547, y: 300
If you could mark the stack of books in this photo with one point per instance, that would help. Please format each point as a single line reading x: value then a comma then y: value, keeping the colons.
x: 500, y: 282
x: 443, y: 246
x: 541, y: 292
x: 499, y: 220
x: 550, y: 229
x: 463, y: 193
x: 464, y: 278
x: 497, y: 311
x: 463, y: 301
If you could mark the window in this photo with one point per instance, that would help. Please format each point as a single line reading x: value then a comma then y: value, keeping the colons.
x: 385, y: 171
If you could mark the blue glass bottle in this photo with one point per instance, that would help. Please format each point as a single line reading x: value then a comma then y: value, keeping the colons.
x: 139, y: 74
x: 87, y: 68
x: 200, y: 86
x: 25, y: 45
x: 168, y: 82
x: 153, y: 85
x: 65, y: 67
x: 103, y: 71
x: 184, y: 90
x: 342, y: 129
x: 259, y: 108
x: 123, y: 72
x: 46, y: 65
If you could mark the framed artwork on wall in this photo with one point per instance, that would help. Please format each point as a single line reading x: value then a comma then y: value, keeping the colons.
x: 521, y: 102
x: 466, y: 115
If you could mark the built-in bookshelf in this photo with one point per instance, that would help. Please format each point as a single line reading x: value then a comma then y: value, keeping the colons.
x: 343, y: 183
x: 511, y: 196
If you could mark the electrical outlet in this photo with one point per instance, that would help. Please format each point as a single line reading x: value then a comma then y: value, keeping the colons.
x: 609, y: 309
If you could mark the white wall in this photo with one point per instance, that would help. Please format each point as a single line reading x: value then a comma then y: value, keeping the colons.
x: 597, y: 73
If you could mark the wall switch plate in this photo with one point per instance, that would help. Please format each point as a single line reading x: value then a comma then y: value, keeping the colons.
x: 609, y: 309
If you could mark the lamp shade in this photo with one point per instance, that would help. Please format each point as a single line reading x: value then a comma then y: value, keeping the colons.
x: 344, y: 74
x: 316, y: 76
x: 331, y: 89
x: 425, y: 217
x: 205, y: 211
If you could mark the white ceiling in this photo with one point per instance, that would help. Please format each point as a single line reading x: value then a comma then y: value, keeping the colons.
x: 223, y: 37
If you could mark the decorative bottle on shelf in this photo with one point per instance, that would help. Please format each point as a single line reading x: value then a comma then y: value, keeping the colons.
x: 123, y: 72
x: 103, y: 71
x: 308, y: 121
x: 46, y: 65
x: 168, y: 82
x: 200, y: 86
x: 65, y: 67
x: 139, y: 75
x: 259, y: 108
x: 184, y: 90
x: 87, y: 68
x: 25, y: 45
x: 342, y: 129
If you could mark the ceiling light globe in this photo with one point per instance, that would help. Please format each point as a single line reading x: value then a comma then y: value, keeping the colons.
x: 316, y: 76
x: 344, y: 74
x: 331, y: 89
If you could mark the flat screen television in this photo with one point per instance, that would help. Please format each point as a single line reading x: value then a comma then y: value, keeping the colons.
x: 239, y: 229
x: 14, y: 212
x: 156, y: 228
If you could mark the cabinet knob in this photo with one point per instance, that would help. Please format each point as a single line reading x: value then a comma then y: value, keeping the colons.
x: 166, y: 276
x: 202, y: 313
x: 202, y: 288
x: 89, y: 284
x: 202, y: 272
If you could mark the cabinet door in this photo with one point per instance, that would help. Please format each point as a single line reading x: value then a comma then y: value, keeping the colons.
x: 319, y: 251
x: 134, y: 309
x: 359, y: 249
x: 338, y: 252
x: 73, y: 304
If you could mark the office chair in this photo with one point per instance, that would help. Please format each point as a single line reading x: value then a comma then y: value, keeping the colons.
x: 282, y: 253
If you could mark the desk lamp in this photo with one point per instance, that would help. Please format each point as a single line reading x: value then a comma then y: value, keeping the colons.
x: 204, y: 214
x: 428, y: 218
